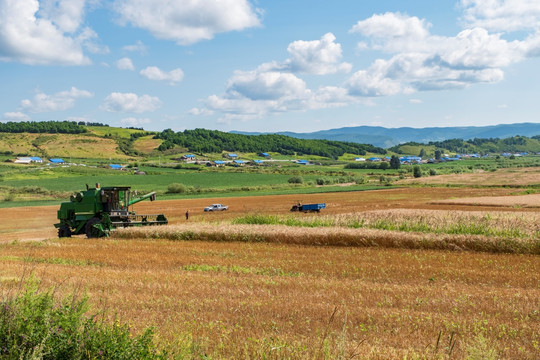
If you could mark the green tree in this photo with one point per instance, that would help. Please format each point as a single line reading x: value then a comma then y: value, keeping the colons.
x: 417, y: 172
x: 438, y: 154
x: 394, y: 162
x: 422, y: 153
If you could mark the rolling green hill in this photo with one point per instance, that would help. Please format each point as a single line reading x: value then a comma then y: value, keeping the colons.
x: 515, y: 144
x: 63, y: 139
x: 98, y: 141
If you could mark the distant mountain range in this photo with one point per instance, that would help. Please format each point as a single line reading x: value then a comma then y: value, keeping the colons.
x: 388, y: 137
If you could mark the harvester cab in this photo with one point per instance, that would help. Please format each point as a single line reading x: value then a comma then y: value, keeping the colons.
x: 97, y: 211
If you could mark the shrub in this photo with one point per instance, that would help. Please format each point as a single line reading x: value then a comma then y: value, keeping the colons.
x: 296, y: 180
x: 417, y: 172
x: 360, y: 180
x: 35, y: 326
x: 324, y: 181
x: 432, y: 172
x: 176, y: 188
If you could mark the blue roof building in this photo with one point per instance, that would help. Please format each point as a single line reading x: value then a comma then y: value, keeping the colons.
x: 265, y: 154
x: 219, y: 162
x: 258, y: 162
x: 302, y: 162
x: 115, y: 166
x: 238, y: 161
x: 232, y: 156
x: 56, y: 161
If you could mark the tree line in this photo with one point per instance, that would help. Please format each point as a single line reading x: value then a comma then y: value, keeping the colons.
x: 46, y: 127
x: 477, y: 145
x: 213, y: 141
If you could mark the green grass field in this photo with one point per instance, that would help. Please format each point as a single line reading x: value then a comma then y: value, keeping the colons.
x: 114, y: 131
x: 22, y: 185
x: 153, y: 182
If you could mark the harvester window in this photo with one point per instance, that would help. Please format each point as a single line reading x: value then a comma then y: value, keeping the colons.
x: 110, y: 200
x: 105, y: 200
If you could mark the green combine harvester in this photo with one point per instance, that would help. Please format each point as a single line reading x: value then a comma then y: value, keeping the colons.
x: 97, y: 211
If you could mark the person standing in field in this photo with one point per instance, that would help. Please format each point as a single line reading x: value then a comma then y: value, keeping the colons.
x: 187, y: 214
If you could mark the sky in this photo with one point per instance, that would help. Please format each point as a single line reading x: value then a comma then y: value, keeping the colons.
x: 269, y: 66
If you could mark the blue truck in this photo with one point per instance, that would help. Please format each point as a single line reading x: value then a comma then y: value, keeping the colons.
x: 308, y: 207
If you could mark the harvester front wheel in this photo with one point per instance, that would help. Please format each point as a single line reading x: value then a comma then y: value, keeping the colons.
x: 90, y: 230
x: 64, y: 231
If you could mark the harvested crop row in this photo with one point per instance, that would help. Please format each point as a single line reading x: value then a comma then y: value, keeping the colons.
x: 498, y: 224
x: 334, y: 236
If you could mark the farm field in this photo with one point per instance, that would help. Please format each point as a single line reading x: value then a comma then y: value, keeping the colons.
x: 62, y: 145
x: 507, y: 177
x: 35, y: 222
x: 358, y: 280
x: 258, y: 300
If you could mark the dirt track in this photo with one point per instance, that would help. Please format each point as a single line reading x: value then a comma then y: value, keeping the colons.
x: 36, y: 223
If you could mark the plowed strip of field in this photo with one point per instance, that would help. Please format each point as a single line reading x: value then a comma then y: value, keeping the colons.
x: 529, y: 201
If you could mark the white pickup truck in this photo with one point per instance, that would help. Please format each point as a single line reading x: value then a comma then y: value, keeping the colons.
x: 216, y: 207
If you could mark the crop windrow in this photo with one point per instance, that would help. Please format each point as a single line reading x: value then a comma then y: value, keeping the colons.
x: 498, y: 224
x: 333, y: 236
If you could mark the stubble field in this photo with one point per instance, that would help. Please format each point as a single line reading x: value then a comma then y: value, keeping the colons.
x: 314, y: 286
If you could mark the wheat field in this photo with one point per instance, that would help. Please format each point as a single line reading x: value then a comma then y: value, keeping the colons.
x: 393, y: 283
x: 232, y: 299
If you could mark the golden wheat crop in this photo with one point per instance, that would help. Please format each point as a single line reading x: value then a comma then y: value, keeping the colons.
x: 444, y: 230
x: 232, y: 300
x: 525, y: 224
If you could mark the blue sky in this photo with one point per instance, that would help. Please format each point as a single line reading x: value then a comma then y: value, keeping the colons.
x: 280, y: 65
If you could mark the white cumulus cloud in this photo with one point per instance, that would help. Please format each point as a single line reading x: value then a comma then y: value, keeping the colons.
x: 130, y: 102
x: 319, y: 57
x: 134, y: 122
x: 416, y: 60
x: 67, y: 15
x: 155, y: 73
x: 200, y: 111
x: 125, y: 63
x: 137, y: 47
x: 422, y: 61
x: 15, y: 116
x: 316, y: 57
x: 48, y: 35
x: 253, y: 94
x: 188, y: 22
x: 392, y: 31
x: 60, y: 101
x: 274, y: 87
x: 257, y: 85
x: 502, y: 15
